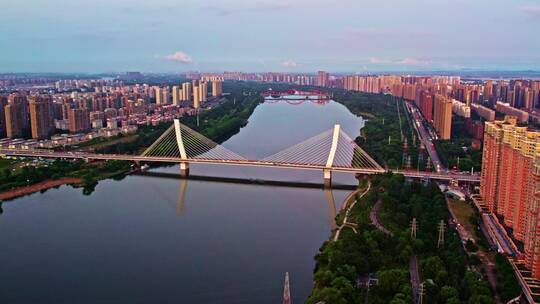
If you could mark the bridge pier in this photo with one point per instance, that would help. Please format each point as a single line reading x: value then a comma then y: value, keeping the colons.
x: 327, y: 175
x: 184, y: 169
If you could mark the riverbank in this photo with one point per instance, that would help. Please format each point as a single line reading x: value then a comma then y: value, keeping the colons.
x: 347, y: 267
x: 386, y: 130
x: 21, y: 191
x: 219, y: 124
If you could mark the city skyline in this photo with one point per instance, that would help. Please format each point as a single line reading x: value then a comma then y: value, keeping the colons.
x: 284, y: 36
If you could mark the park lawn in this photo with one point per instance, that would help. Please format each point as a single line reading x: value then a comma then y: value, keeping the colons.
x: 104, y: 143
x: 6, y: 163
x: 463, y: 212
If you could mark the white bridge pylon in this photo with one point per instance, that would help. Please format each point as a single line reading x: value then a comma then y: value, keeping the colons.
x: 330, y: 151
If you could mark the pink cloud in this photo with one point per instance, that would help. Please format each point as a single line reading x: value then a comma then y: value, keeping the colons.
x: 413, y: 61
x: 289, y: 63
x: 180, y: 57
x: 531, y: 10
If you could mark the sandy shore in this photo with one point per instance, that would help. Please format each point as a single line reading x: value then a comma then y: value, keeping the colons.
x: 38, y: 187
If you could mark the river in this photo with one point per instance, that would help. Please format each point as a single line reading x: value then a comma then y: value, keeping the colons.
x: 160, y: 240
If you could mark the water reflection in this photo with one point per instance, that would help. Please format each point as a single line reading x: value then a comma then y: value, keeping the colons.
x: 328, y: 193
x: 331, y: 208
x: 181, y: 197
x: 202, y: 242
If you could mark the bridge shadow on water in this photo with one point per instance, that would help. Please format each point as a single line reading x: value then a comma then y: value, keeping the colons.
x: 259, y: 182
x: 247, y: 181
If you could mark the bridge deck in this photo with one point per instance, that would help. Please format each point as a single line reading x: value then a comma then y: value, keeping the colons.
x: 254, y: 163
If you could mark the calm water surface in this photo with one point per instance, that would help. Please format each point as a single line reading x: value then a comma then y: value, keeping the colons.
x: 158, y: 240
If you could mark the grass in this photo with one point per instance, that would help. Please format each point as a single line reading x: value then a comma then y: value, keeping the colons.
x: 463, y: 212
x: 101, y: 143
x: 6, y: 163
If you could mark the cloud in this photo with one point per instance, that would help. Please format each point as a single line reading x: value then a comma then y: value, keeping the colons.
x: 377, y: 60
x: 405, y: 61
x: 289, y: 63
x: 413, y: 61
x: 179, y: 57
x: 531, y: 10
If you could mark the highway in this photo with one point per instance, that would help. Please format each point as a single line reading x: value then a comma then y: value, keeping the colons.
x: 425, y: 136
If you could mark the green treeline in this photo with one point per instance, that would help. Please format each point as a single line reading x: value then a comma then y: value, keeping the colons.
x: 224, y: 121
x: 89, y: 173
x: 507, y: 283
x: 381, y: 135
x: 445, y: 270
x: 218, y: 124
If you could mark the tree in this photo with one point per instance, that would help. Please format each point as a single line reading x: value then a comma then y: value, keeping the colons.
x: 474, y: 260
x: 390, y: 281
x: 431, y: 266
x: 399, y: 299
x: 323, y: 278
x: 327, y: 295
x: 448, y: 292
x: 345, y: 287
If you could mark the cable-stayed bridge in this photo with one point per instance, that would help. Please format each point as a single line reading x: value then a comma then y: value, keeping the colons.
x: 330, y: 151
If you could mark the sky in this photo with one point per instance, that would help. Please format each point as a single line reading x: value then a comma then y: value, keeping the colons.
x: 356, y: 36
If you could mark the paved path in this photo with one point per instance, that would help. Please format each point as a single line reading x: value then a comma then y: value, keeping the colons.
x: 375, y: 221
x: 487, y: 265
x: 345, y: 220
x: 399, y: 117
x: 415, y: 277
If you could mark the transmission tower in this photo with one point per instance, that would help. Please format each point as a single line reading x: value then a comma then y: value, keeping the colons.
x: 405, y: 153
x: 409, y: 162
x: 421, y: 293
x: 286, y: 290
x: 442, y: 227
x: 428, y: 164
x: 420, y: 156
x: 414, y: 227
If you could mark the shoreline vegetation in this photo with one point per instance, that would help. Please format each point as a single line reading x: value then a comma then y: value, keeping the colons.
x: 346, y: 267
x: 41, y: 186
x: 218, y: 124
x: 386, y: 129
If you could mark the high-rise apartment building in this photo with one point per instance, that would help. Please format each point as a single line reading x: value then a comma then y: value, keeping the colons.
x: 323, y: 79
x: 162, y: 95
x: 176, y: 95
x: 426, y: 105
x: 186, y: 91
x: 13, y: 120
x: 79, y: 120
x: 196, y: 97
x: 442, y: 116
x: 203, y: 91
x: 158, y: 95
x: 510, y: 183
x: 41, y: 116
x: 217, y: 88
x: 16, y: 116
x: 488, y: 90
x: 3, y: 103
x: 165, y: 92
